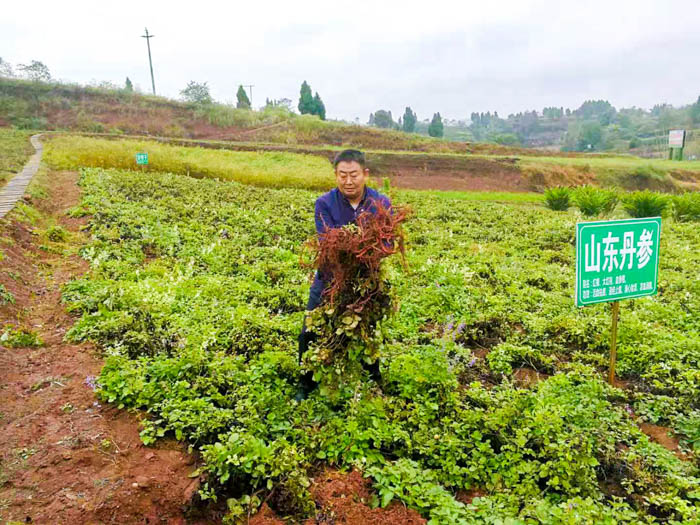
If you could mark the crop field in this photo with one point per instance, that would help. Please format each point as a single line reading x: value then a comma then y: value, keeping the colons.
x: 493, y: 381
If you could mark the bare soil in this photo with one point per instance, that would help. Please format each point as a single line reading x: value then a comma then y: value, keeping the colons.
x: 664, y: 437
x: 528, y: 377
x: 64, y: 457
x: 344, y: 498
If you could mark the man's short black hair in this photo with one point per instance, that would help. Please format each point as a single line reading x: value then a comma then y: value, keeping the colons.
x: 349, y: 155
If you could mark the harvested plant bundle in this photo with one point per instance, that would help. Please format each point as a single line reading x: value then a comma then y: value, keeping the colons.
x: 356, y: 297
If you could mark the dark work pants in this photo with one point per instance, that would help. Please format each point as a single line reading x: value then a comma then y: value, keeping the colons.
x: 306, y: 337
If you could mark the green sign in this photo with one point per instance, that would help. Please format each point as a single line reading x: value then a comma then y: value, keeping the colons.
x: 616, y: 259
x: 142, y: 158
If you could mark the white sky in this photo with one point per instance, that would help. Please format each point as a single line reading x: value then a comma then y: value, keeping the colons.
x: 452, y: 57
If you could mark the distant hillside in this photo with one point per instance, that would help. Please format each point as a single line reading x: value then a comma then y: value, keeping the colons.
x: 54, y: 106
x: 594, y: 126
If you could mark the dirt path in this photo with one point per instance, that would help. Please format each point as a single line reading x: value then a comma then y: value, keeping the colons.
x: 64, y: 458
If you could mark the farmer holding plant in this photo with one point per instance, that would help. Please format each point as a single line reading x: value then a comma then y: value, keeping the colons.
x: 341, y: 206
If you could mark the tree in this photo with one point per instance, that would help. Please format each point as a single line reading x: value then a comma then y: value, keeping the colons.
x: 371, y: 119
x: 36, y: 71
x: 279, y: 103
x: 319, y: 108
x: 436, y: 129
x: 6, y: 69
x: 590, y: 136
x: 383, y: 119
x: 601, y: 110
x: 128, y: 86
x: 306, y: 99
x: 196, y: 93
x: 695, y: 112
x: 409, y: 120
x: 242, y: 100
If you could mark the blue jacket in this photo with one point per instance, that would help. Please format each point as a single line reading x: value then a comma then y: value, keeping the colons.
x: 333, y: 210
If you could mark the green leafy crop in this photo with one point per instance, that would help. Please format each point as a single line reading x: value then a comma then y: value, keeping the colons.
x: 196, y: 296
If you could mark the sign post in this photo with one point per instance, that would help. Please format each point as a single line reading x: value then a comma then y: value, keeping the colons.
x: 616, y: 260
x: 141, y: 158
x: 676, y: 141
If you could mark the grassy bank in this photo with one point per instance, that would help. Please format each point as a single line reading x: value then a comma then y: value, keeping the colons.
x: 15, y: 150
x: 268, y: 169
x: 266, y: 165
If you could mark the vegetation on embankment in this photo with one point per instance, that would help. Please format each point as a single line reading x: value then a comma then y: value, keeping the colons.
x: 307, y: 167
x: 15, y: 150
x: 270, y: 169
x: 58, y: 106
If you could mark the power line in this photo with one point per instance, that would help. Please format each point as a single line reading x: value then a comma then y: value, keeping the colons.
x: 150, y: 62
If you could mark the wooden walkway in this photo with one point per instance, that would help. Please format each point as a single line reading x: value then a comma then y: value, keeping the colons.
x: 14, y: 190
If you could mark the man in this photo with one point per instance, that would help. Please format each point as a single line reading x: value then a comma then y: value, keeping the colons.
x: 334, y: 209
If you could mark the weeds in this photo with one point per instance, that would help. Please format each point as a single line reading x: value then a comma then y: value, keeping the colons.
x: 558, y: 198
x: 686, y: 207
x: 6, y: 296
x: 595, y: 201
x: 20, y: 338
x: 645, y: 204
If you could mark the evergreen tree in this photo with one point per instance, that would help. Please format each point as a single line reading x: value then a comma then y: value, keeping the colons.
x: 371, y: 119
x: 383, y: 119
x: 306, y: 99
x: 128, y: 86
x: 409, y: 120
x: 319, y: 108
x: 436, y: 129
x: 243, y: 102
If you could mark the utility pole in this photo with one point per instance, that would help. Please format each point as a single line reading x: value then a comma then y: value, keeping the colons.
x: 250, y: 90
x: 150, y: 62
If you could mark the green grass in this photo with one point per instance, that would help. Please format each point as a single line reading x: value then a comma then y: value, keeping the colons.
x: 268, y: 169
x: 476, y: 196
x: 15, y: 150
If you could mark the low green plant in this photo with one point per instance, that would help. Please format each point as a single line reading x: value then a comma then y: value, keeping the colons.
x: 689, y: 428
x: 419, y: 489
x: 20, y: 338
x: 56, y: 234
x: 6, y: 296
x: 558, y: 198
x: 593, y: 201
x: 686, y: 207
x: 645, y: 204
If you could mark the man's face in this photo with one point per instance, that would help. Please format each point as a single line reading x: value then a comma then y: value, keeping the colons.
x: 351, y: 179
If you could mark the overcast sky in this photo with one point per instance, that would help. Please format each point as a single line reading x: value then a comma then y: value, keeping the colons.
x: 452, y: 57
